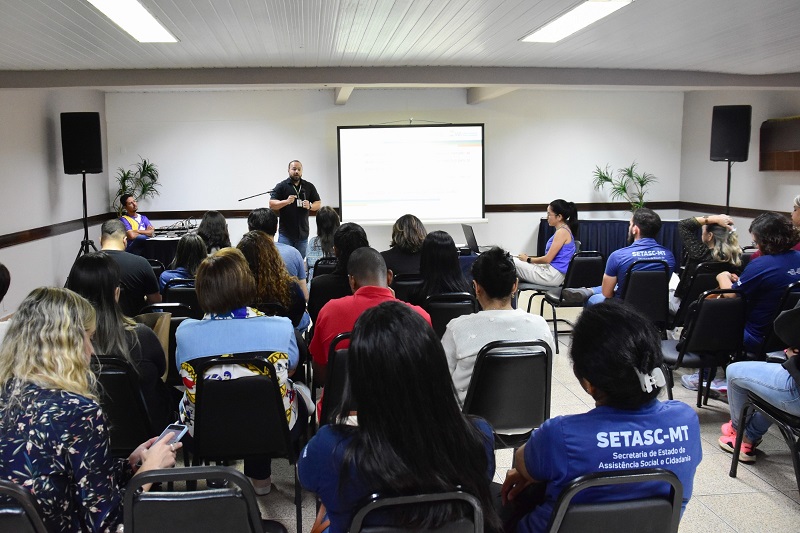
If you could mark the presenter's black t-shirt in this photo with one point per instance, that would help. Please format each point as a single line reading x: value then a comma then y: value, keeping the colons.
x: 294, y: 219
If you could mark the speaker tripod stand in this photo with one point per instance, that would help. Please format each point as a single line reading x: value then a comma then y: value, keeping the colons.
x: 86, y: 243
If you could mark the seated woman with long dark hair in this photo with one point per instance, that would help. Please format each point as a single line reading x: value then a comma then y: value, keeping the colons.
x: 213, y: 228
x: 190, y: 253
x: 616, y: 356
x: 273, y: 282
x: 549, y: 269
x: 411, y: 436
x: 95, y: 276
x: 328, y: 222
x: 439, y: 268
x: 225, y: 288
x: 53, y: 435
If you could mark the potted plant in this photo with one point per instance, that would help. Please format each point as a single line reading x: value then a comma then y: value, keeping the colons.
x: 142, y: 182
x: 627, y: 184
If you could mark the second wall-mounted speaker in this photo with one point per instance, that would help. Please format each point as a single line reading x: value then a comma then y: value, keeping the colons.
x: 80, y: 143
x: 730, y: 132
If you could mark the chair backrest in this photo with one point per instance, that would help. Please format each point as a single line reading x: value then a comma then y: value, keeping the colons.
x: 336, y: 382
x: 446, y: 306
x: 185, y: 295
x: 647, y: 290
x: 324, y: 265
x: 470, y: 520
x: 231, y: 509
x: 237, y: 418
x: 704, y: 278
x: 123, y: 403
x: 585, y: 270
x: 715, y: 324
x: 180, y: 282
x: 158, y: 267
x: 788, y: 301
x: 510, y: 387
x: 656, y: 514
x: 19, y: 512
x: 404, y: 285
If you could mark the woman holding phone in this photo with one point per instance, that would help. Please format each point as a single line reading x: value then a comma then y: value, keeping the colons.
x: 53, y: 435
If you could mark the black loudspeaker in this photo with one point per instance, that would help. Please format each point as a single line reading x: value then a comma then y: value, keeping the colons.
x: 80, y: 143
x: 730, y: 132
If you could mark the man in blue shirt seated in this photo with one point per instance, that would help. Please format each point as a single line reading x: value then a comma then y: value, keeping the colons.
x: 645, y: 225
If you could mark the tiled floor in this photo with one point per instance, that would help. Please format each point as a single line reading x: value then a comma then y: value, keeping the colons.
x: 764, y: 496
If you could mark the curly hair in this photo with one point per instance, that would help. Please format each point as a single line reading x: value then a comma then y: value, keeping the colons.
x: 774, y: 233
x: 273, y: 282
x: 44, y: 344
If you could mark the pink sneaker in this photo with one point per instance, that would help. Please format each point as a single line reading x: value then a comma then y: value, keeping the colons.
x: 747, y: 453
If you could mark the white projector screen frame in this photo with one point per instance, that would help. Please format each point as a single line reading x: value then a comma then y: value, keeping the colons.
x: 435, y: 172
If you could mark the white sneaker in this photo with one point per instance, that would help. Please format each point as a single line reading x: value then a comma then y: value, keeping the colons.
x: 691, y: 381
x: 719, y: 385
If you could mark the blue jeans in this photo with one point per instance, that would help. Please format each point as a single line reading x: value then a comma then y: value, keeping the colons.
x: 299, y: 244
x: 596, y: 298
x: 768, y: 380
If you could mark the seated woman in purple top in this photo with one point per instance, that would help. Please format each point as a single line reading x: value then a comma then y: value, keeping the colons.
x: 411, y: 436
x: 616, y: 356
x: 550, y: 268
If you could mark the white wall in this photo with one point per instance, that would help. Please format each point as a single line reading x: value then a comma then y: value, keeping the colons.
x: 214, y: 147
x: 35, y: 190
x: 705, y: 181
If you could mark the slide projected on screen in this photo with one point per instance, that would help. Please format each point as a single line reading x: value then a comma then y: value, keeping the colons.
x: 434, y: 172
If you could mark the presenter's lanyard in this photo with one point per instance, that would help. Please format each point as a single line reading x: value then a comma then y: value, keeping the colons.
x: 297, y: 190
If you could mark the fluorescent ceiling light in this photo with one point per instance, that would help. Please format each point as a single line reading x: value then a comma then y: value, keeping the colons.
x: 132, y: 17
x: 578, y: 18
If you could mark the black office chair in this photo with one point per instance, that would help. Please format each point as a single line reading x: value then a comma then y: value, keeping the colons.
x: 585, y: 270
x: 176, y: 290
x: 648, y: 515
x: 232, y: 509
x: 123, y: 404
x: 324, y: 265
x: 747, y: 254
x: 468, y: 515
x: 405, y: 285
x: 19, y: 511
x: 712, y: 337
x: 444, y: 307
x: 772, y: 343
x: 788, y: 424
x: 336, y: 382
x: 704, y: 278
x: 158, y: 267
x: 536, y: 289
x: 272, y: 309
x: 510, y: 388
x: 647, y: 290
x: 244, y: 417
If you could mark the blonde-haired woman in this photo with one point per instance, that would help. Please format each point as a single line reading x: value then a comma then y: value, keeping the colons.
x: 53, y: 436
x: 718, y: 242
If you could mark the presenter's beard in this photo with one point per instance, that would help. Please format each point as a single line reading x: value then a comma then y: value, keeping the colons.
x: 631, y: 238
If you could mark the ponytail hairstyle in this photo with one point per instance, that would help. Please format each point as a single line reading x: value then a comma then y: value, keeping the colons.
x: 391, y: 449
x: 610, y: 343
x: 568, y: 211
x: 726, y: 244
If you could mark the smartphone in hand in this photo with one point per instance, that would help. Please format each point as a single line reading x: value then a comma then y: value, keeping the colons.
x: 179, y: 430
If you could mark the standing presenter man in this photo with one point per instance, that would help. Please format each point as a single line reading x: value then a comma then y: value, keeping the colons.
x: 293, y: 198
